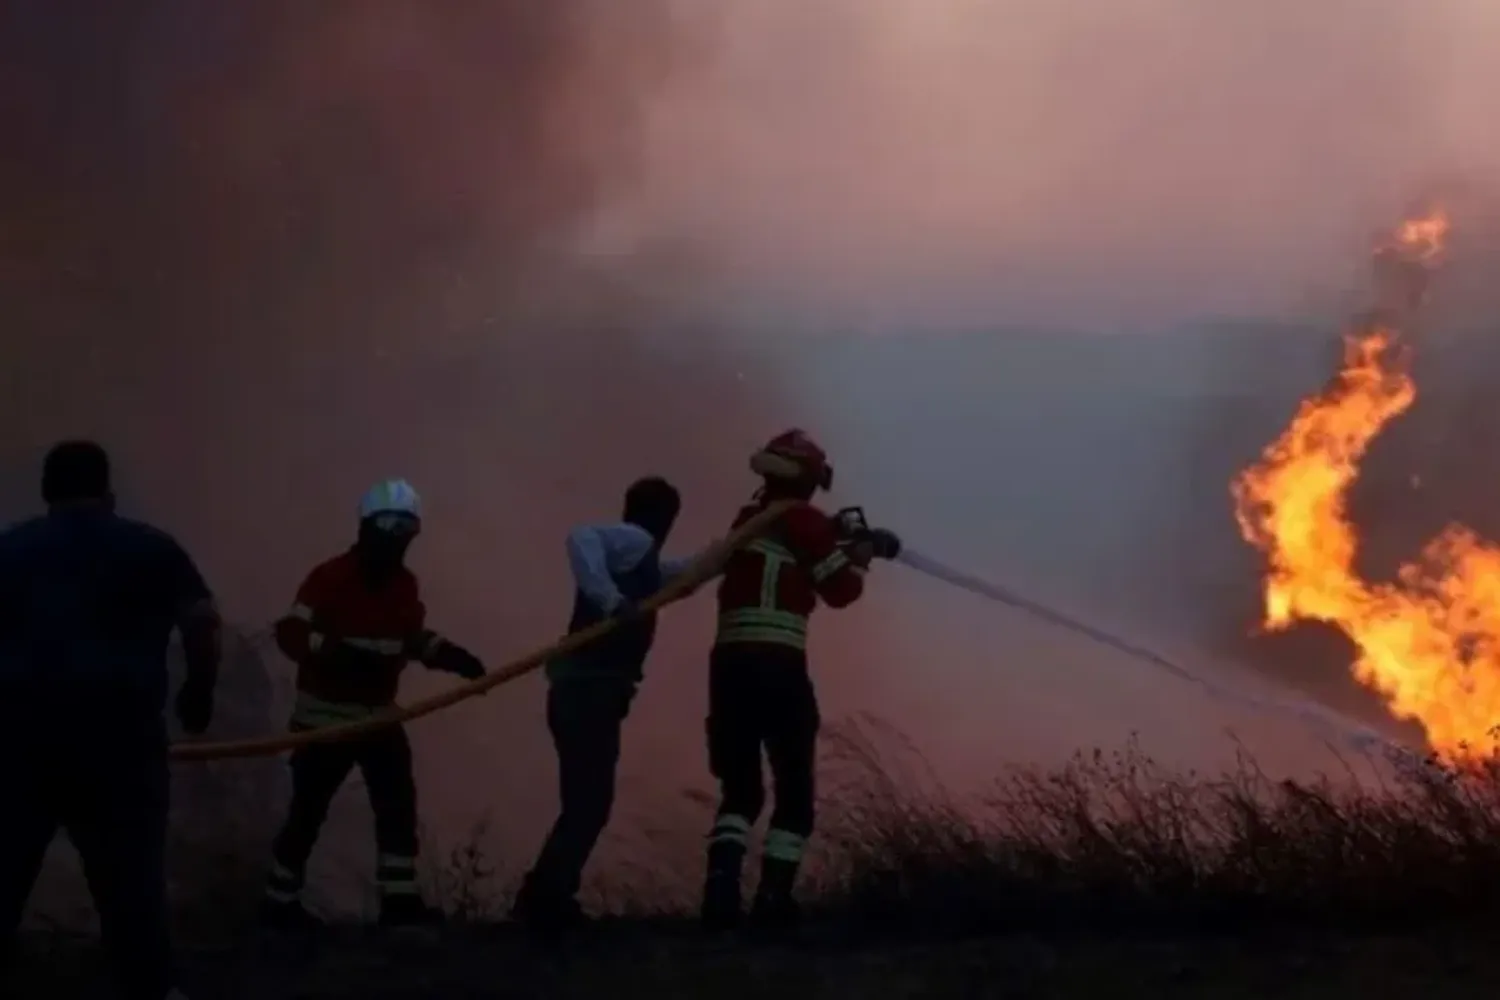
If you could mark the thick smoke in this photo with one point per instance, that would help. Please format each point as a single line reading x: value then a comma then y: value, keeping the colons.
x: 522, y: 252
x: 1113, y: 249
x: 1086, y: 165
x: 271, y: 252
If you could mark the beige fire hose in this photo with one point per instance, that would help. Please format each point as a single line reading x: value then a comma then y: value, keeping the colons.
x: 705, y: 568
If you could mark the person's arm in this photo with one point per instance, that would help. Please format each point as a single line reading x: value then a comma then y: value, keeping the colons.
x: 704, y: 564
x: 447, y: 657
x: 432, y: 650
x: 198, y: 621
x: 302, y: 637
x: 596, y: 552
x: 9, y: 595
x: 296, y: 636
x: 197, y: 616
x: 837, y: 575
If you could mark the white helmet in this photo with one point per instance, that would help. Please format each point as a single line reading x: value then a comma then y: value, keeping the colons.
x: 394, y: 496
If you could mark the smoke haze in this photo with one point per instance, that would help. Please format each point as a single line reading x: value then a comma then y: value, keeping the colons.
x: 522, y: 253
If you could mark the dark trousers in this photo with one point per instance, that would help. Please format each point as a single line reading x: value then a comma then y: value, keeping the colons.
x: 585, y: 716
x: 318, y: 770
x: 110, y: 796
x: 761, y: 698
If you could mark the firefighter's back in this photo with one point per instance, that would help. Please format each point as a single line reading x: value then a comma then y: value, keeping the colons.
x: 772, y: 585
x: 768, y: 593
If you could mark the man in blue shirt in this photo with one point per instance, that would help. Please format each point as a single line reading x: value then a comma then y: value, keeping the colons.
x: 88, y: 602
x: 615, y: 567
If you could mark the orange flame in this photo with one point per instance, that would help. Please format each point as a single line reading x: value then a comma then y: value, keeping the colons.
x: 1429, y: 642
x: 1424, y: 237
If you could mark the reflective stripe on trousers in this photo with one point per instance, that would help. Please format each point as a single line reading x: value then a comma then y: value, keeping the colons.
x: 730, y: 829
x: 282, y: 884
x: 783, y: 845
x: 396, y: 875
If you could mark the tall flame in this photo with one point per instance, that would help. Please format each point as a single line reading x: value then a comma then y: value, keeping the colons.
x: 1429, y: 642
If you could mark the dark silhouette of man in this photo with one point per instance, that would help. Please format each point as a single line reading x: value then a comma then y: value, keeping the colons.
x: 88, y: 602
x: 615, y: 566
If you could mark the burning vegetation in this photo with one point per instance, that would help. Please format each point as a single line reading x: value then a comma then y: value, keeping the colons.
x: 1429, y: 640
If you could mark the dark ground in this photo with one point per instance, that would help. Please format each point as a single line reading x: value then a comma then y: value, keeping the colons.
x: 673, y: 962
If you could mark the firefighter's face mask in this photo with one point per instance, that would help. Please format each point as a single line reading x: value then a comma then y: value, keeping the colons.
x: 384, y: 539
x: 815, y: 478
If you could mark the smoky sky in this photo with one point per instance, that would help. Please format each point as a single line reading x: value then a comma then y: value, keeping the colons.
x: 1097, y: 164
x: 523, y: 252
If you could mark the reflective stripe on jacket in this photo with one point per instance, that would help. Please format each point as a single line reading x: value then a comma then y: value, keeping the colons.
x: 351, y: 641
x: 771, y: 586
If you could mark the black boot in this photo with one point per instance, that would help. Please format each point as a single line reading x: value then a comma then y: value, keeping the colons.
x: 281, y: 908
x: 287, y: 915
x: 547, y: 913
x: 408, y: 911
x: 775, y: 909
x: 721, y: 887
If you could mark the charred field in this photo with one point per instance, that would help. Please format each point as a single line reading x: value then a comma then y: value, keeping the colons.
x: 1108, y: 873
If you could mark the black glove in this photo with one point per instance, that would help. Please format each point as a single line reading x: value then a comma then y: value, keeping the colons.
x: 421, y: 644
x: 627, y: 610
x: 195, y: 706
x: 452, y: 658
x: 885, y: 543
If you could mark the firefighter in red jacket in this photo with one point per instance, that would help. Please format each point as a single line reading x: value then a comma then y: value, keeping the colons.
x: 760, y: 693
x: 357, y: 621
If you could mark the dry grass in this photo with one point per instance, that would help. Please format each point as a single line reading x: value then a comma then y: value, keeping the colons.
x: 1108, y: 848
x: 1112, y: 841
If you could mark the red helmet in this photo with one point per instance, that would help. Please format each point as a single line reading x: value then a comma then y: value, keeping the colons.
x: 793, y: 457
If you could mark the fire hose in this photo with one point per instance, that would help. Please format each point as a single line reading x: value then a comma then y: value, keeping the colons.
x: 702, y: 570
x: 708, y: 566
